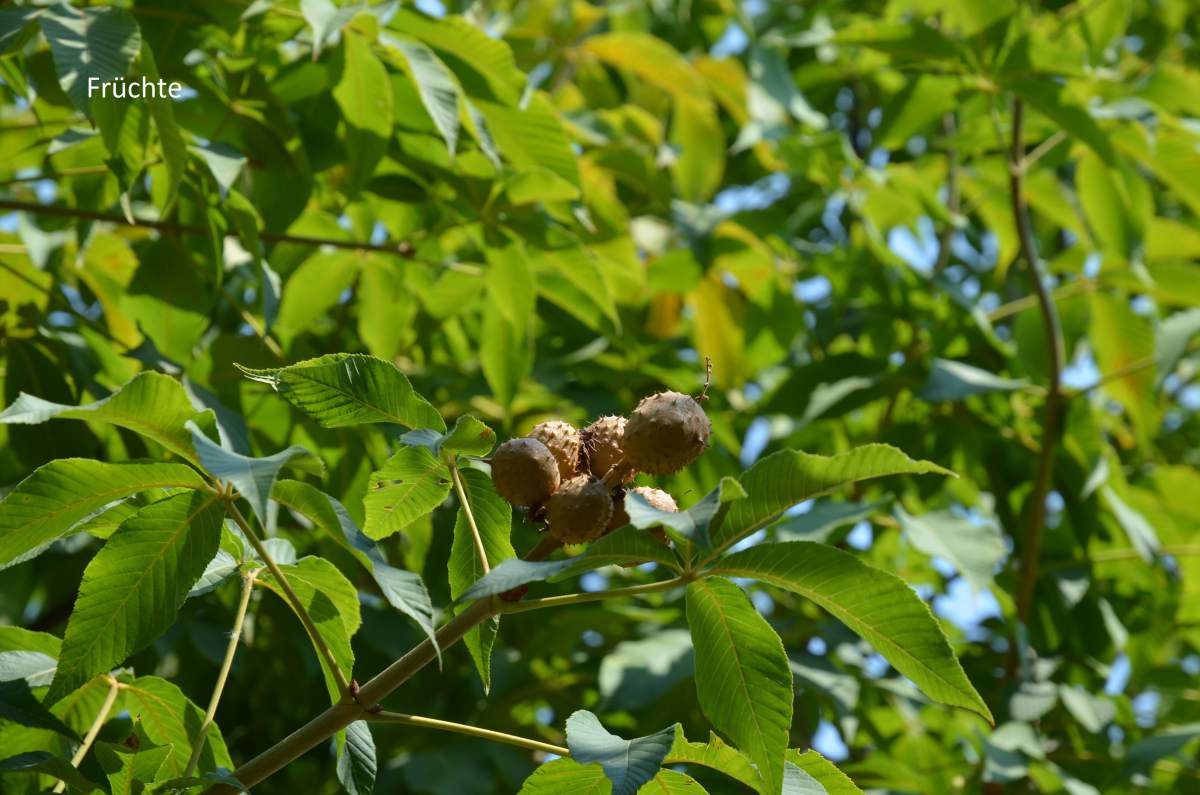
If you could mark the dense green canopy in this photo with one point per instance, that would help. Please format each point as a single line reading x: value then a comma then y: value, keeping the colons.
x: 369, y: 241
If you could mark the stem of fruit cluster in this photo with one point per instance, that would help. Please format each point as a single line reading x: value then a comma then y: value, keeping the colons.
x: 594, y: 596
x: 113, y: 688
x: 466, y: 506
x: 294, y: 600
x: 1036, y: 515
x: 470, y: 731
x: 234, y: 639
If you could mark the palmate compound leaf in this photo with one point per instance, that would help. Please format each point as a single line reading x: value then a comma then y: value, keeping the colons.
x: 153, y: 405
x: 404, y: 590
x: 47, y: 505
x: 628, y: 764
x: 743, y: 680
x: 877, y: 605
x: 350, y: 389
x: 133, y: 588
x: 789, y: 477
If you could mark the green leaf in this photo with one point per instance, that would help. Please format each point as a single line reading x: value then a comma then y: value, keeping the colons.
x: 153, y: 405
x: 650, y: 59
x: 133, y: 589
x: 949, y: 380
x: 797, y: 781
x: 404, y: 590
x: 717, y: 755
x: 364, y: 94
x: 1142, y: 755
x: 743, y: 680
x: 566, y: 776
x: 332, y: 603
x: 325, y: 19
x: 506, y: 349
x: 174, y: 150
x: 628, y: 764
x: 168, y: 717
x: 1092, y: 712
x: 97, y: 43
x: 314, y: 289
x: 34, y: 668
x: 436, y: 85
x: 350, y: 389
x: 696, y: 132
x: 356, y: 766
x: 974, y: 548
x: 825, y: 516
x: 878, y: 606
x: 483, y: 63
x: 626, y: 545
x: 253, y: 477
x: 408, y: 486
x: 833, y: 780
x: 638, y: 672
x: 670, y: 782
x: 47, y: 504
x: 130, y: 771
x: 531, y: 136
x: 788, y: 477
x: 1106, y: 207
x: 469, y: 436
x: 50, y: 765
x: 1171, y: 341
x: 1123, y: 343
x: 14, y: 22
x: 218, y: 570
x: 1139, y: 531
x: 493, y: 517
x: 1049, y: 99
x: 218, y: 776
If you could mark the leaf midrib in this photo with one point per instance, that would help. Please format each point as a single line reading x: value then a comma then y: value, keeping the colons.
x: 737, y: 659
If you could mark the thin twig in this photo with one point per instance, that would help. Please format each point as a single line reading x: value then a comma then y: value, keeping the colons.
x: 258, y: 328
x: 1136, y: 366
x: 1029, y: 301
x: 294, y: 600
x: 1036, y: 515
x: 466, y: 506
x: 113, y: 688
x: 403, y: 248
x: 593, y: 596
x: 470, y: 731
x: 949, y: 128
x: 230, y: 651
x: 1042, y: 149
